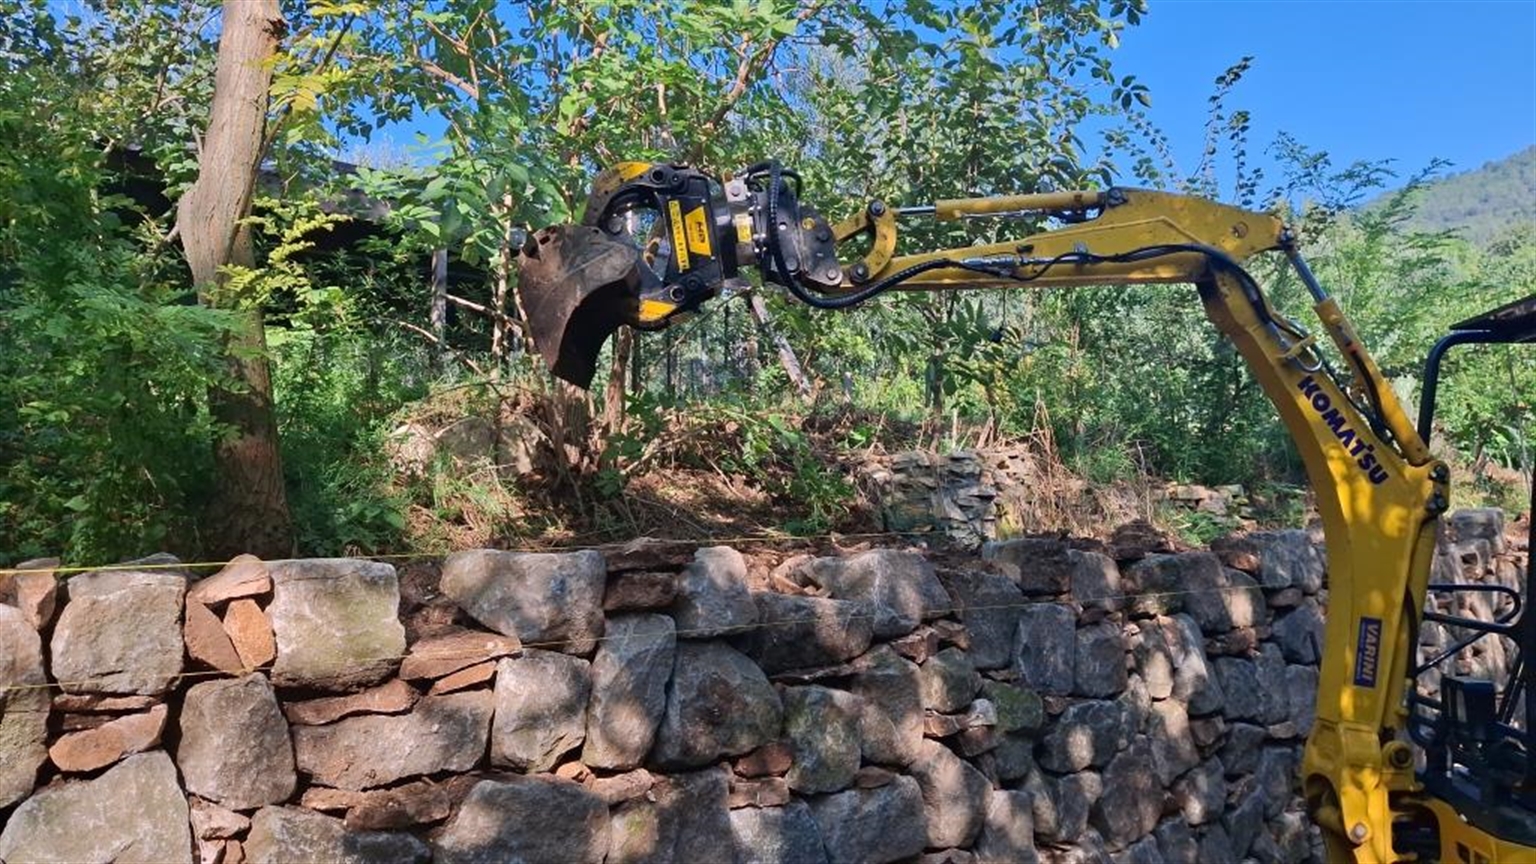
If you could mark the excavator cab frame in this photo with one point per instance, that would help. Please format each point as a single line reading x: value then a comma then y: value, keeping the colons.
x: 1478, y: 737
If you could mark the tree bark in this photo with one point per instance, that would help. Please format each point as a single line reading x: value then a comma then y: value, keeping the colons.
x: 636, y: 366
x: 500, y: 285
x: 787, y: 357
x: 669, y: 361
x: 439, y: 312
x: 249, y: 508
x: 613, y: 396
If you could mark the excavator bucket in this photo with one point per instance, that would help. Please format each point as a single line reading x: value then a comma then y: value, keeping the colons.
x: 578, y: 286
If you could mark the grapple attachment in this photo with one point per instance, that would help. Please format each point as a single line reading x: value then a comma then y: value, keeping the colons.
x: 645, y: 251
x: 657, y: 241
x: 578, y: 286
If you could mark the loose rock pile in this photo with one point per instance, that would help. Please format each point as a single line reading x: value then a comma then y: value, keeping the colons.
x: 955, y: 493
x: 971, y: 496
x: 1052, y: 700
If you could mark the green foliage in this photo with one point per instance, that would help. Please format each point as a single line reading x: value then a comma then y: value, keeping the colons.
x: 291, y: 228
x: 104, y: 440
x: 337, y: 388
x: 1195, y: 527
x: 776, y: 454
x: 337, y: 385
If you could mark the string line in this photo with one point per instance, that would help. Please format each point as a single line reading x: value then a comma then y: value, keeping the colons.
x: 698, y: 632
x: 208, y: 565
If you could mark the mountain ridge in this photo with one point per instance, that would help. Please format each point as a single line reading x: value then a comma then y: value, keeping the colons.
x: 1478, y: 203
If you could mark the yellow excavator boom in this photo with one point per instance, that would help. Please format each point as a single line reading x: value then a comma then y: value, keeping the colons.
x: 1378, y: 490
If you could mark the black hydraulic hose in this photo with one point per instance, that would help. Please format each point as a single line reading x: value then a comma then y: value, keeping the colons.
x: 1216, y: 256
x: 780, y: 267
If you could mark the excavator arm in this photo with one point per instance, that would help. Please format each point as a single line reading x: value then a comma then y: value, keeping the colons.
x: 660, y: 240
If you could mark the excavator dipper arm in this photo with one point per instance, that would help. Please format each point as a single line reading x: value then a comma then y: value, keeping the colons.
x: 1378, y: 490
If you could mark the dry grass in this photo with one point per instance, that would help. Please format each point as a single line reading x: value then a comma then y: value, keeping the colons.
x: 686, y: 481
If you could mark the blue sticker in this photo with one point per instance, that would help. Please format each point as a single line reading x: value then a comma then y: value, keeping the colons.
x: 1367, y: 652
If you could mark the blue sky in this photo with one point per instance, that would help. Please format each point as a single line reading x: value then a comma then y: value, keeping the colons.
x: 1365, y: 79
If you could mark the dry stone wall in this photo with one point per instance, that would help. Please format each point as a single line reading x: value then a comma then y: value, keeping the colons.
x: 1477, y: 548
x: 1048, y: 700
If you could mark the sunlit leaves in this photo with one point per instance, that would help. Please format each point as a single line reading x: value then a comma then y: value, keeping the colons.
x: 328, y: 9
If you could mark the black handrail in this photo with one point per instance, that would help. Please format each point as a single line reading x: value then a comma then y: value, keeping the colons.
x: 1507, y: 624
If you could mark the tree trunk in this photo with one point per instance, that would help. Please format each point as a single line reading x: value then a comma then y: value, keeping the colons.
x: 249, y: 507
x: 669, y: 361
x: 787, y: 357
x: 936, y: 313
x: 439, y: 312
x: 502, y: 324
x: 613, y: 396
x: 728, y: 372
x: 636, y: 366
x: 499, y: 286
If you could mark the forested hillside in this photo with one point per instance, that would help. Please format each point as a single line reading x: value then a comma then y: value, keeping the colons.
x: 1482, y: 203
x: 202, y: 357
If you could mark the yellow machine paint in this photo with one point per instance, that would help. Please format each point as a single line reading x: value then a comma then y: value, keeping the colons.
x: 1378, y: 523
x: 1464, y: 844
x: 1378, y: 489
